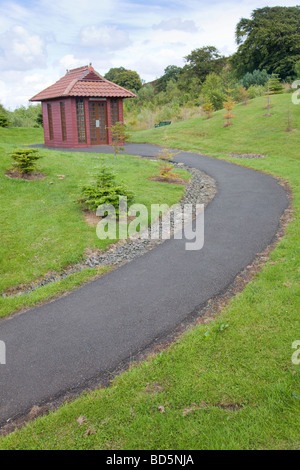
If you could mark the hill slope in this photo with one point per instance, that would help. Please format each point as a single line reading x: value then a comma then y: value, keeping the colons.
x: 229, y: 383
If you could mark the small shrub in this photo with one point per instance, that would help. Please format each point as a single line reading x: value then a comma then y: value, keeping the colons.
x: 208, y: 109
x: 105, y: 190
x: 39, y: 119
x: 289, y: 120
x: 228, y: 105
x: 165, y: 114
x: 243, y: 95
x: 268, y: 106
x: 255, y: 91
x: 275, y: 86
x: 257, y: 77
x: 165, y: 155
x: 4, y: 122
x: 25, y: 160
x: 119, y: 137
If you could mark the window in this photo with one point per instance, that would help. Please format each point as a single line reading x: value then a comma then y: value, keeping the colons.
x: 80, y: 120
x: 114, y: 110
x: 63, y: 121
x: 50, y: 121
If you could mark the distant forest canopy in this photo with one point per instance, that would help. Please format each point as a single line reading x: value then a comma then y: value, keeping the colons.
x: 268, y: 54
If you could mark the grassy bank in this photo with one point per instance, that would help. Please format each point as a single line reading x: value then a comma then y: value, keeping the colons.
x: 227, y: 384
x: 43, y: 229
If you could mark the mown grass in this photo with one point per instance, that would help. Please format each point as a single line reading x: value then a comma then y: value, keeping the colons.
x: 229, y: 384
x: 252, y: 132
x: 42, y: 227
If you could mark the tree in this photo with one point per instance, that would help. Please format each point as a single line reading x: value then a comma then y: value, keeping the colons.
x: 268, y: 107
x: 297, y: 69
x: 257, y: 77
x: 275, y: 86
x: 25, y: 117
x: 270, y: 40
x: 228, y: 105
x: 243, y: 95
x: 289, y: 120
x: 208, y: 109
x: 119, y: 137
x: 104, y: 190
x: 172, y: 72
x: 201, y: 62
x: 25, y: 160
x: 39, y: 119
x: 145, y: 94
x: 213, y: 90
x: 165, y: 155
x: 125, y: 78
x: 4, y: 122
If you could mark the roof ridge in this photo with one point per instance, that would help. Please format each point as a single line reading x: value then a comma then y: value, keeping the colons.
x: 78, y: 68
x: 82, y: 82
x: 70, y: 86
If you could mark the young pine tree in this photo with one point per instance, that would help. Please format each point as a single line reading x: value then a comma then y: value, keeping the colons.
x: 119, y: 137
x: 165, y: 155
x: 208, y: 109
x: 243, y: 95
x: 228, y: 106
x: 268, y: 106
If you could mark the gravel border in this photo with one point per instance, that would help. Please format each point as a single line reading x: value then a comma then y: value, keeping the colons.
x: 200, y: 189
x: 246, y: 155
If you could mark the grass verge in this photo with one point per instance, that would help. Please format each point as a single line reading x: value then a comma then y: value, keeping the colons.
x: 43, y: 229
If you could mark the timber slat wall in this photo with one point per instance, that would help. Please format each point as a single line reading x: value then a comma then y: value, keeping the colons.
x: 71, y: 122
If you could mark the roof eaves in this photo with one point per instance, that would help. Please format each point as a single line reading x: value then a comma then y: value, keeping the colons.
x: 133, y: 95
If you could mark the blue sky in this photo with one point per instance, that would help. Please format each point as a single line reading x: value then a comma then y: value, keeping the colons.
x: 40, y: 39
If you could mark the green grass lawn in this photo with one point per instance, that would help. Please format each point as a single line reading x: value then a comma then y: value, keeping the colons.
x: 43, y: 229
x: 229, y: 384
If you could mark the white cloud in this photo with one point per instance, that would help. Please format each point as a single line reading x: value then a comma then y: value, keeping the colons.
x: 16, y: 89
x: 178, y: 24
x: 39, y: 40
x: 107, y: 37
x: 70, y: 62
x: 3, y: 92
x: 21, y: 50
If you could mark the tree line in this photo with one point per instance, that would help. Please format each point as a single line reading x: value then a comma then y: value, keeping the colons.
x: 268, y: 49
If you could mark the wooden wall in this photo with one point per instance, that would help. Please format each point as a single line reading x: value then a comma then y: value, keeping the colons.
x: 71, y: 123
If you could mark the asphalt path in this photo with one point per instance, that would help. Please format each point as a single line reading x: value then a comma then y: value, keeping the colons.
x: 69, y: 343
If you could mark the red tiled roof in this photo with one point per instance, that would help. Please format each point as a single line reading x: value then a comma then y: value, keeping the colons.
x: 83, y: 81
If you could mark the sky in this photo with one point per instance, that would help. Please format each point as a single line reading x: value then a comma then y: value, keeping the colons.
x: 40, y: 39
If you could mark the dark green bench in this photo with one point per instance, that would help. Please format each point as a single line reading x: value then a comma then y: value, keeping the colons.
x: 163, y: 123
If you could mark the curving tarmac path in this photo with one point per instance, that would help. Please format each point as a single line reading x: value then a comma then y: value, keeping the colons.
x: 69, y: 343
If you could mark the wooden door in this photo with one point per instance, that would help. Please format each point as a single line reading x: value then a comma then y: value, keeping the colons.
x: 98, y: 122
